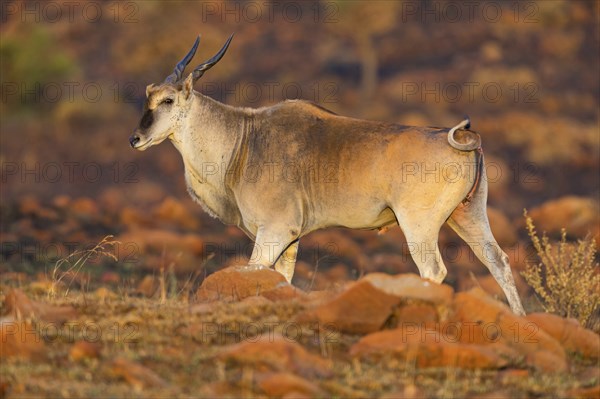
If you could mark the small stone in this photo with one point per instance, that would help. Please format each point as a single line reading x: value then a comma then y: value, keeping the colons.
x: 573, y: 337
x: 272, y: 352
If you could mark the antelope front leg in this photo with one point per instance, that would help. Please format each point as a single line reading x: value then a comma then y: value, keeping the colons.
x: 287, y: 261
x: 268, y: 248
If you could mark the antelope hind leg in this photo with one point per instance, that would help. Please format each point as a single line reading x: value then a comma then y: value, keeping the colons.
x: 422, y: 240
x: 471, y: 223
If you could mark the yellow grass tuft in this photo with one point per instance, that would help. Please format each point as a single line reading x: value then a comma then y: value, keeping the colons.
x: 567, y: 279
x: 71, y: 265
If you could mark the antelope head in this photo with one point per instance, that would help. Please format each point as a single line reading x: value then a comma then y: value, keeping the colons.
x: 167, y: 103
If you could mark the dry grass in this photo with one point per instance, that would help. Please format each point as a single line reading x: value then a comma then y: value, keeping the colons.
x: 566, y: 280
x: 70, y: 266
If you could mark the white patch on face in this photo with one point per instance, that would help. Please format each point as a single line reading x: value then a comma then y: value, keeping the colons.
x: 165, y: 115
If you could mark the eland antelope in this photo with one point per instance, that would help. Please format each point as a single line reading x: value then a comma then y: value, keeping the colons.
x: 283, y: 171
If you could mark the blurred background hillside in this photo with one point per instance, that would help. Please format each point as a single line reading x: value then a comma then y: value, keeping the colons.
x: 73, y: 84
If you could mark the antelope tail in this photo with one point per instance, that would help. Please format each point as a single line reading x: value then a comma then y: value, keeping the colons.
x: 474, y: 140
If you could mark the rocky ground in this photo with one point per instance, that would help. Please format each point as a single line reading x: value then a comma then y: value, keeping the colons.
x: 250, y: 334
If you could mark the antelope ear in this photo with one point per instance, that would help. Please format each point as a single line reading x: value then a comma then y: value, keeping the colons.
x: 148, y: 88
x: 188, y: 86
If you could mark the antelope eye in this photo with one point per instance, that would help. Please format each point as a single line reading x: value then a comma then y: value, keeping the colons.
x: 168, y: 101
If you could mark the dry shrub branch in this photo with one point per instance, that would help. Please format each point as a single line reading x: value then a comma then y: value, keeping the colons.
x: 567, y: 278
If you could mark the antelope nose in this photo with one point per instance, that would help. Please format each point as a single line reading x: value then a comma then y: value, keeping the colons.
x: 133, y: 140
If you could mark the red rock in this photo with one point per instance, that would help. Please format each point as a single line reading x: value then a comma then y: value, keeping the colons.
x: 484, y: 320
x: 417, y: 314
x: 272, y: 352
x: 366, y: 305
x: 237, y: 283
x: 253, y: 302
x: 20, y: 307
x: 315, y: 298
x: 138, y: 376
x: 288, y: 385
x: 284, y: 293
x: 360, y: 309
x: 84, y: 350
x: 546, y: 362
x: 573, y: 337
x: 426, y: 347
x: 411, y: 286
x: 20, y: 339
